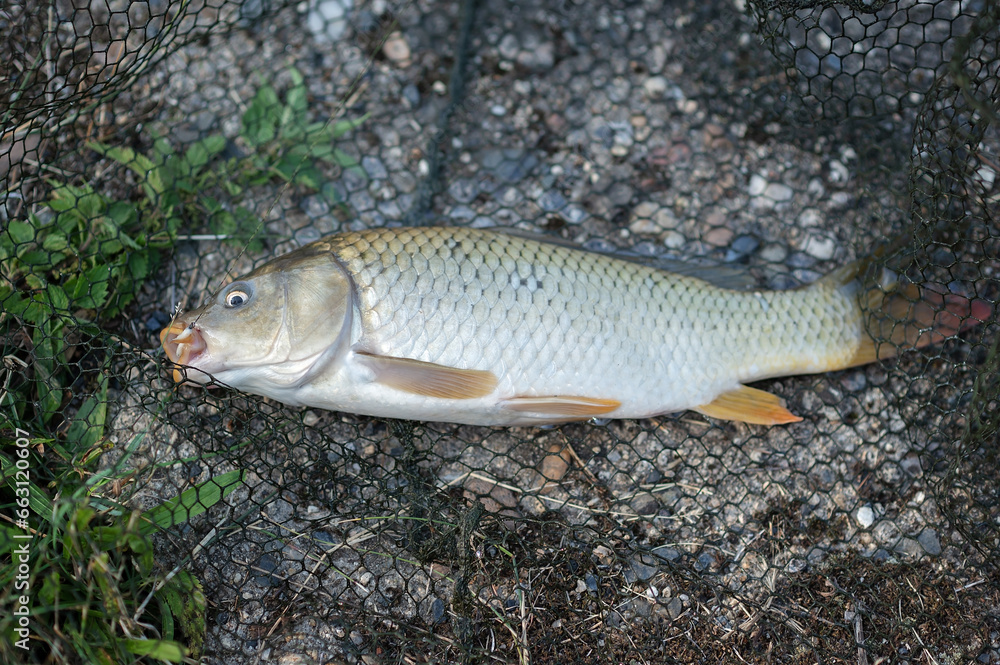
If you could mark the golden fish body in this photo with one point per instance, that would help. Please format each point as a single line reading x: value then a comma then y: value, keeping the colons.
x: 481, y: 327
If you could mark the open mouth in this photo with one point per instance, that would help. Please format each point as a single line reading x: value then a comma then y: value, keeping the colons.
x: 183, y: 344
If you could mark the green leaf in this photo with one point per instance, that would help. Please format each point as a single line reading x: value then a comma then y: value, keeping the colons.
x: 343, y: 159
x: 341, y: 127
x: 186, y: 598
x: 55, y: 242
x: 87, y: 427
x: 123, y: 214
x: 191, y: 502
x: 20, y: 232
x: 202, y: 152
x: 39, y: 502
x: 89, y: 290
x: 55, y: 296
x: 173, y: 652
x: 262, y: 117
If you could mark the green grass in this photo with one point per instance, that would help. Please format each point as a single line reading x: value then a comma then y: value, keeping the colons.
x: 95, y: 592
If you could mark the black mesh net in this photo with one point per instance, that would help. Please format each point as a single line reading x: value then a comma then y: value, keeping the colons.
x: 150, y: 149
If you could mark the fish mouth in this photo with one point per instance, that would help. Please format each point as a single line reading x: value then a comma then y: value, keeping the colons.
x: 183, y: 344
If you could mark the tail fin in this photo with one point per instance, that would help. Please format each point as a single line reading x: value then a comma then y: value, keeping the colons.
x: 900, y: 316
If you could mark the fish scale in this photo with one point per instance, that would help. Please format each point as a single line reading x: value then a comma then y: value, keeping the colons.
x: 484, y: 327
x: 655, y: 340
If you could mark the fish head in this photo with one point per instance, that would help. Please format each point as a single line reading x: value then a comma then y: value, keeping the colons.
x: 270, y: 329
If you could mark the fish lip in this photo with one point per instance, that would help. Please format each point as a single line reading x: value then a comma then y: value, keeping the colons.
x: 184, y: 344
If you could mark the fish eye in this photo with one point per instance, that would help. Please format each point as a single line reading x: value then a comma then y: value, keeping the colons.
x: 239, y: 296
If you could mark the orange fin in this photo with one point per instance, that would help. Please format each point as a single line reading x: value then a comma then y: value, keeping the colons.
x: 428, y: 379
x: 912, y: 317
x: 563, y: 405
x: 749, y: 405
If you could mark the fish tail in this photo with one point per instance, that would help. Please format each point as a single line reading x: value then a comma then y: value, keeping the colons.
x: 899, y: 315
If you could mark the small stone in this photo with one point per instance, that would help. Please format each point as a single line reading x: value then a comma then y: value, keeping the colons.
x: 591, y: 582
x: 498, y: 110
x: 810, y: 217
x: 819, y: 246
x: 854, y: 381
x: 397, y: 50
x: 839, y: 174
x: 508, y: 47
x: 643, y: 571
x: 778, y: 192
x: 928, y: 540
x: 655, y: 86
x: 540, y: 58
x: 774, y: 253
x: 374, y: 167
x: 742, y: 246
x: 866, y: 516
x: 704, y: 562
x: 758, y: 184
x: 315, y: 206
x: 668, y: 553
x: 720, y: 236
x: 552, y: 201
x: 673, y: 239
x: 909, y: 547
x: 411, y: 93
x: 437, y: 611
x: 675, y: 608
x: 911, y: 465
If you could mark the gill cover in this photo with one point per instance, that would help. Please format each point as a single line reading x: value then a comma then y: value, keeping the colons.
x: 281, y: 323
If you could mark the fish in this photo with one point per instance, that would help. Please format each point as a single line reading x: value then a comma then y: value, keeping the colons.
x: 485, y: 327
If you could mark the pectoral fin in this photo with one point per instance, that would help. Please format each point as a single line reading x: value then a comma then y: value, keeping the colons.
x: 749, y: 405
x: 429, y: 379
x: 563, y: 405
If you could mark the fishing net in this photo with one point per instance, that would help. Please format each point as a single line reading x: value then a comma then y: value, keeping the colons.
x: 150, y: 149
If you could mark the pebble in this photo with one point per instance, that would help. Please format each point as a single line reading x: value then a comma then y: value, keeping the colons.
x: 675, y: 608
x: 774, y: 253
x: 911, y: 465
x: 374, y: 167
x: 552, y: 201
x: 720, y: 236
x: 866, y: 516
x: 810, y: 217
x: 540, y: 58
x: 498, y: 110
x: 397, y: 50
x: 757, y: 185
x: 437, y: 611
x: 909, y: 547
x: 673, y: 239
x: 464, y: 189
x: 742, y: 247
x: 928, y: 540
x: 854, y: 381
x: 411, y: 93
x: 643, y: 570
x: 315, y: 206
x: 655, y: 86
x: 327, y: 19
x: 839, y: 174
x: 508, y: 47
x: 509, y: 164
x: 819, y: 246
x: 778, y: 192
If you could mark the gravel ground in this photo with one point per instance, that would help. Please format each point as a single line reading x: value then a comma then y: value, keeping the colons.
x: 661, y: 129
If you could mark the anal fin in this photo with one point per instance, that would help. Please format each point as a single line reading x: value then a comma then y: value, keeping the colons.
x: 749, y: 405
x: 563, y: 406
x: 429, y: 379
